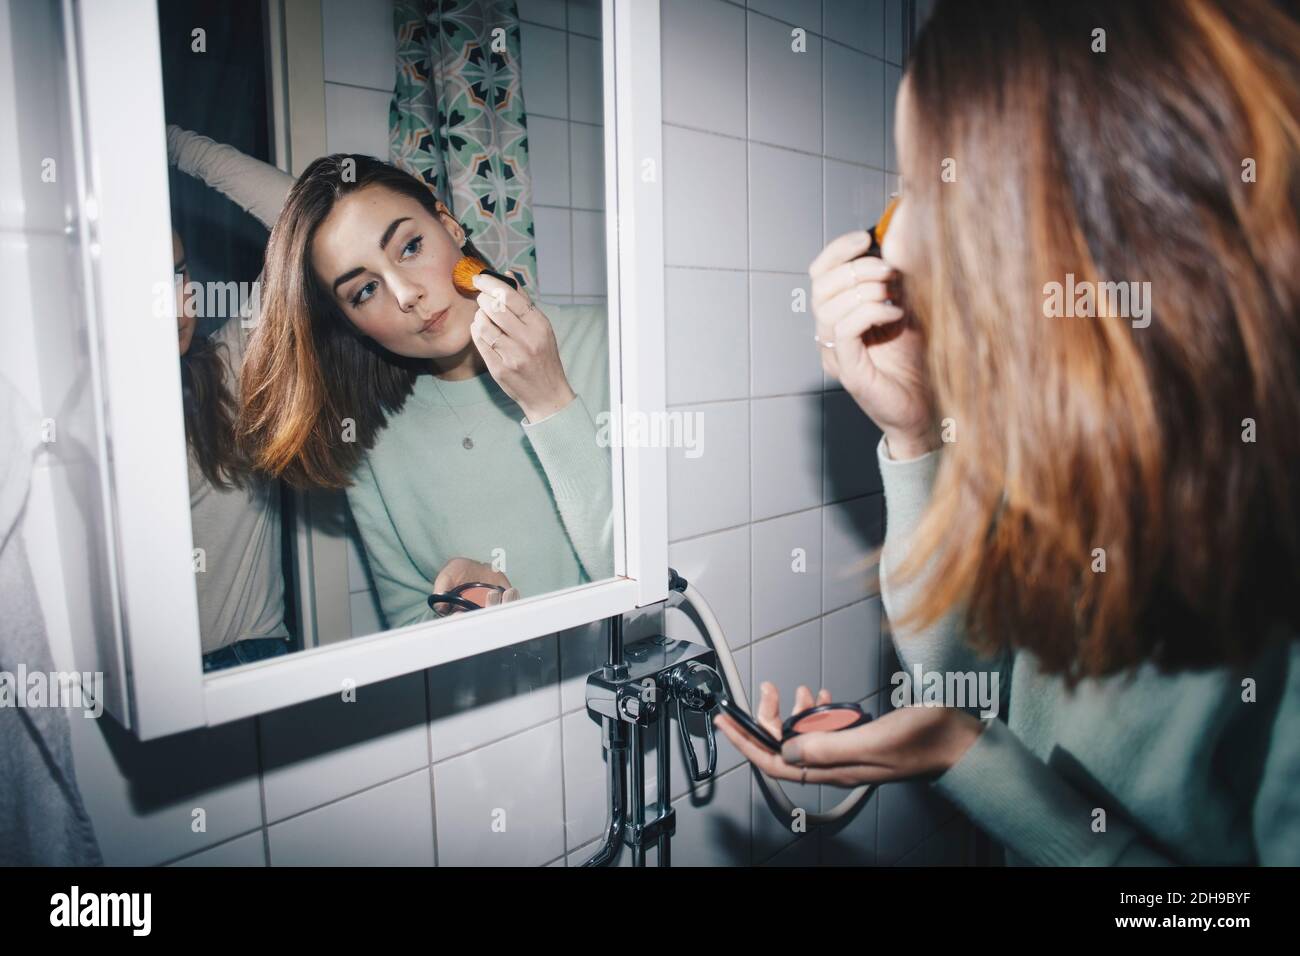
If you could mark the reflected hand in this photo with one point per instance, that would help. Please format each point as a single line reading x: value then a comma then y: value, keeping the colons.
x: 904, y: 743
x: 518, y: 343
x: 879, y: 353
x: 460, y: 571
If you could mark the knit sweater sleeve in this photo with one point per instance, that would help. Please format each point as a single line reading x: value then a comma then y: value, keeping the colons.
x: 569, y: 445
x: 257, y: 187
x: 402, y: 590
x: 999, y: 783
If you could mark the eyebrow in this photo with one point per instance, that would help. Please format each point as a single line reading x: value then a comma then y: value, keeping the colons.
x: 383, y: 242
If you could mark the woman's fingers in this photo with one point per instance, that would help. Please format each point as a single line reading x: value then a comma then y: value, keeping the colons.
x: 840, y: 250
x: 769, y: 709
x: 502, y: 316
x: 841, y: 305
x: 848, y: 330
x: 847, y: 275
x: 500, y: 294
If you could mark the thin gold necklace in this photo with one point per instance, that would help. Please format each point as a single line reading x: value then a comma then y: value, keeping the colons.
x: 467, y: 443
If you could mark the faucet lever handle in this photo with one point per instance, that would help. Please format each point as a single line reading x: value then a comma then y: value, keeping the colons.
x: 693, y: 685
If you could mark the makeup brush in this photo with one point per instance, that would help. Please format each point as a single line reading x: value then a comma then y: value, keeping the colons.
x: 877, y: 232
x: 467, y: 267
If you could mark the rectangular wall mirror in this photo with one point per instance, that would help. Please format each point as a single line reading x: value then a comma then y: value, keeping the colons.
x: 338, y: 457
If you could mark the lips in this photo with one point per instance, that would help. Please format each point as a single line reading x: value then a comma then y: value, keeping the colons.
x: 435, y: 322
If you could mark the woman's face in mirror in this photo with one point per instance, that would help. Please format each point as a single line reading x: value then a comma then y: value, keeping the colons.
x: 184, y: 323
x: 900, y: 246
x: 387, y: 262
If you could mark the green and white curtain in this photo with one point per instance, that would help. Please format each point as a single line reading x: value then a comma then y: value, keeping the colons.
x: 457, y: 121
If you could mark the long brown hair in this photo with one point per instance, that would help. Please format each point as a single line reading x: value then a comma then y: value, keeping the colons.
x: 210, y: 411
x: 309, y: 376
x: 1113, y: 493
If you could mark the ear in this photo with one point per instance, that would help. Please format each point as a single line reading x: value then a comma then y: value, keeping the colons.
x: 449, y: 222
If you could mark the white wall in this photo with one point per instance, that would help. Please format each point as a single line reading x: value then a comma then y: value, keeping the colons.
x: 761, y: 147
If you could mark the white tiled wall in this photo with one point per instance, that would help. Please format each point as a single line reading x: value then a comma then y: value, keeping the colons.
x: 560, y: 46
x: 494, y: 759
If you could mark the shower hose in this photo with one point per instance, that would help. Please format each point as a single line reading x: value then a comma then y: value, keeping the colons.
x: 780, y: 804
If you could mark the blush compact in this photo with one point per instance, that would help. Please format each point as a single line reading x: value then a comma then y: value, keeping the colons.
x: 823, y: 717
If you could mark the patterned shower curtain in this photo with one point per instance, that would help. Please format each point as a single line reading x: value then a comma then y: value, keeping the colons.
x: 457, y: 121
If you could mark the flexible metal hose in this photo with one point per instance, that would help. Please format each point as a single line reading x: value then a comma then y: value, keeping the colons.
x: 736, y: 691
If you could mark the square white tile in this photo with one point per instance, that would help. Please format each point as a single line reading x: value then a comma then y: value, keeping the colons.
x: 705, y: 200
x: 785, y: 86
x: 548, y: 158
x: 585, y: 17
x: 388, y: 825
x: 360, y: 47
x: 718, y: 565
x: 856, y: 23
x: 356, y: 120
x: 785, y: 209
x: 545, y: 69
x: 553, y: 232
x: 785, y: 454
x: 707, y: 335
x: 855, y: 106
x: 316, y: 752
x: 854, y: 197
x: 703, y: 67
x: 708, y: 483
x: 851, y: 438
x: 784, y: 358
x: 854, y: 530
x: 587, y: 165
x: 586, y: 100
x: 786, y: 557
x: 589, y: 253
x: 502, y: 805
x: 851, y: 650
x: 479, y: 699
x: 713, y: 826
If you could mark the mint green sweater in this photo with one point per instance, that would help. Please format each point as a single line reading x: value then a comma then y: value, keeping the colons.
x: 535, y: 497
x: 1184, y: 769
x: 532, y: 499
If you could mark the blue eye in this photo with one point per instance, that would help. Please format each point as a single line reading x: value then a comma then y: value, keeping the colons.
x: 412, y: 247
x: 362, y: 295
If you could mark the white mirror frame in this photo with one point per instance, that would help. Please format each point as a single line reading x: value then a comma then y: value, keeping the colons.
x: 150, y: 653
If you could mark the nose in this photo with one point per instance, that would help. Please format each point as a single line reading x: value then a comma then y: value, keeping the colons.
x: 407, y: 291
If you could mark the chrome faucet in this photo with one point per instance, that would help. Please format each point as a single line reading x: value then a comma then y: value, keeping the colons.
x: 630, y: 695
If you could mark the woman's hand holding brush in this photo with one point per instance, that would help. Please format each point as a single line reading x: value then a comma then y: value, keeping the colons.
x: 879, y: 353
x: 518, y: 343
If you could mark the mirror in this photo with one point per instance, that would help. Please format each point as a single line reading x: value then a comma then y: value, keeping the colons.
x: 369, y: 445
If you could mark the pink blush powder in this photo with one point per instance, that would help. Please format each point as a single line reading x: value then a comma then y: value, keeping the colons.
x: 826, y: 720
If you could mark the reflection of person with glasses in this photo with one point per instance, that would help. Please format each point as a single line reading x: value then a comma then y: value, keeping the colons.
x: 463, y: 429
x: 235, y: 513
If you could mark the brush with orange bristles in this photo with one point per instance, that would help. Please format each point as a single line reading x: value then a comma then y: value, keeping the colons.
x: 879, y: 334
x: 467, y: 267
x: 877, y: 232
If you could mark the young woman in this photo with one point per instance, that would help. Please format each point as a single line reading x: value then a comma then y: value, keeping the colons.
x: 235, y: 514
x: 1099, y: 508
x: 464, y: 429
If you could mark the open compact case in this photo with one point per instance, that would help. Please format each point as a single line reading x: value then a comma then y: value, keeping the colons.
x: 823, y: 717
